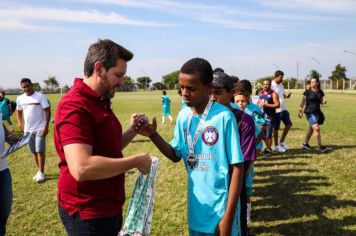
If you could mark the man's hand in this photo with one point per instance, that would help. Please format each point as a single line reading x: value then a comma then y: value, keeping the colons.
x: 145, y: 163
x: 44, y: 131
x: 143, y: 127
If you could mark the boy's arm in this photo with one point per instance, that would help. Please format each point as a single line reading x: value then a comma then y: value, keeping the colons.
x: 164, y: 147
x: 146, y: 129
x: 225, y: 225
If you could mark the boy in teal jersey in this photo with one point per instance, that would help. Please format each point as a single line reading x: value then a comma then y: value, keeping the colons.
x: 207, y: 140
x: 242, y: 98
x: 166, y: 107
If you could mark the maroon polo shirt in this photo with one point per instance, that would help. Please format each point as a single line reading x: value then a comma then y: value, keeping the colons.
x: 85, y: 117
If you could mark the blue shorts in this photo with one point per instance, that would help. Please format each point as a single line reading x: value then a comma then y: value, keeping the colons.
x: 37, y: 142
x: 281, y: 116
x: 313, y: 118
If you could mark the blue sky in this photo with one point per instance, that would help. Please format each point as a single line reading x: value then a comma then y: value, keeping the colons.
x: 248, y: 38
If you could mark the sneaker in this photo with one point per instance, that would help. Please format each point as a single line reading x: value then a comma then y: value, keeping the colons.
x: 306, y: 146
x: 41, y: 177
x: 322, y: 149
x: 284, y: 145
x: 35, y: 177
x: 279, y: 148
x: 266, y: 153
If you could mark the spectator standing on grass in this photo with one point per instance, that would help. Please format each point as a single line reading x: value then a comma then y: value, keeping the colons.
x: 33, y: 116
x: 268, y: 100
x: 89, y: 141
x: 222, y: 92
x: 5, y: 183
x: 207, y: 140
x: 281, y: 113
x: 310, y: 105
x: 166, y: 107
x: 6, y: 109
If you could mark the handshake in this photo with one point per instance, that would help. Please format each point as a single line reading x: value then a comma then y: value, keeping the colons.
x: 140, y: 124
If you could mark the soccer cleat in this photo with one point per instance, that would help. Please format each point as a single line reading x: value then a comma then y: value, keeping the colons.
x: 41, y: 177
x: 35, y: 177
x: 266, y: 153
x: 279, y: 148
x: 284, y: 145
x: 322, y: 149
x: 306, y: 146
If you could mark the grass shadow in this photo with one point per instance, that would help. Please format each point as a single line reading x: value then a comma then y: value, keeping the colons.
x: 285, y: 199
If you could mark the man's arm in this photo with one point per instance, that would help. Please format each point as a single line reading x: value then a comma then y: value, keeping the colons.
x: 19, y: 116
x: 225, y: 225
x: 301, y: 107
x: 84, y: 166
x: 47, y: 111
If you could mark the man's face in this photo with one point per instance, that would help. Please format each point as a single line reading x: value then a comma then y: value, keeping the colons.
x: 112, y: 78
x: 266, y: 85
x: 27, y: 88
x: 194, y: 92
x: 241, y: 101
x: 221, y: 95
x: 279, y: 79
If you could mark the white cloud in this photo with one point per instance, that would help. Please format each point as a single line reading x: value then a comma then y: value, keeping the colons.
x: 67, y: 15
x: 334, y: 6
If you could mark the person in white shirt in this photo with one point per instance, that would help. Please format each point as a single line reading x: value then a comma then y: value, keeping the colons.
x: 281, y: 113
x: 33, y: 108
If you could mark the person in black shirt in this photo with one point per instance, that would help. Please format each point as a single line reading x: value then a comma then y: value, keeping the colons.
x: 310, y: 105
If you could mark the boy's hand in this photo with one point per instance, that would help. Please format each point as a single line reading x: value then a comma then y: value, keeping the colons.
x: 223, y: 228
x: 143, y: 127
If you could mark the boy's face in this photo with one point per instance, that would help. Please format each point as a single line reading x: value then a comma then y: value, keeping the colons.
x: 194, y: 92
x: 241, y: 101
x: 221, y: 95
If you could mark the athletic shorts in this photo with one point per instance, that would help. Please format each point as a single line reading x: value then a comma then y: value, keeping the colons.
x: 267, y: 133
x: 37, y: 142
x: 281, y: 116
x: 166, y: 110
x: 313, y: 118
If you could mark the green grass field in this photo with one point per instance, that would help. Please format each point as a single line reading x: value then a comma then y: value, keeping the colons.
x: 296, y: 193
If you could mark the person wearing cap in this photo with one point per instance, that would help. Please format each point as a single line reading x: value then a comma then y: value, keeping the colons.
x: 222, y: 92
x: 207, y: 140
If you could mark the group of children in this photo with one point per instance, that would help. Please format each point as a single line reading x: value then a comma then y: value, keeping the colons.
x: 218, y: 137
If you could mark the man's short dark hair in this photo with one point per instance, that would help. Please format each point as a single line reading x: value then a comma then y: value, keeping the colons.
x: 244, y: 87
x: 218, y: 69
x: 200, y: 66
x: 107, y: 52
x: 278, y: 73
x: 26, y: 80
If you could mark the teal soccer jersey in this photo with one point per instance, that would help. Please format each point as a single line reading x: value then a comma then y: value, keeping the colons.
x: 217, y: 147
x: 166, y: 106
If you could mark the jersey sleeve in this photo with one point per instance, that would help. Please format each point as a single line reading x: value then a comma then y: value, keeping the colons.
x: 232, y: 140
x: 44, y: 102
x: 178, y: 142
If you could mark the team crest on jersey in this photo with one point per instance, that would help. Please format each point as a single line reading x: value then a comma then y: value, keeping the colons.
x: 210, y: 135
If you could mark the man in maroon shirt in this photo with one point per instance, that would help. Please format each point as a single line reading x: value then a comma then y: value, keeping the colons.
x: 89, y: 141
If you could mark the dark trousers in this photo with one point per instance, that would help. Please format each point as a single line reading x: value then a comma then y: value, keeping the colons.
x: 5, y: 199
x: 75, y: 226
x: 243, y: 202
